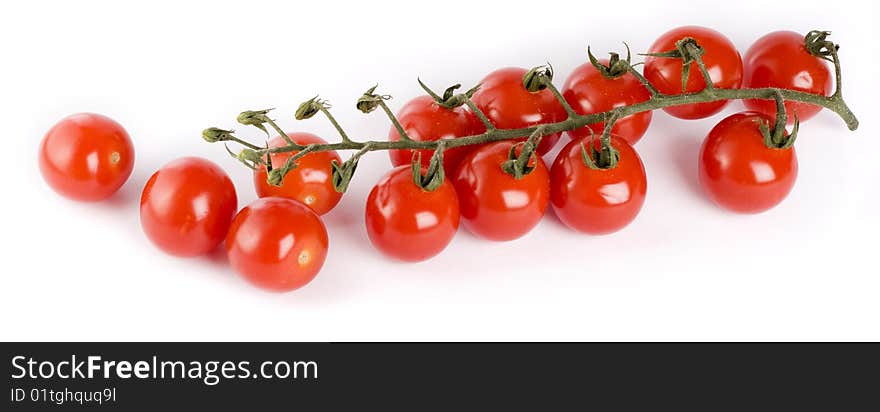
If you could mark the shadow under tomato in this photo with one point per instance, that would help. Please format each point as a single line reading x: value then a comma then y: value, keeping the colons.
x: 218, y: 257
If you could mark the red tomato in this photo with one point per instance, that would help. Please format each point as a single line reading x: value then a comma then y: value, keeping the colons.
x: 407, y: 222
x: 277, y: 244
x: 508, y: 105
x: 86, y: 157
x: 722, y: 61
x: 310, y: 183
x: 494, y: 205
x: 597, y: 201
x: 424, y: 120
x: 588, y: 92
x: 739, y: 172
x: 780, y: 59
x: 187, y: 205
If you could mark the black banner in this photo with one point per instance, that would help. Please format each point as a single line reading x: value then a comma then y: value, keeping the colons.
x: 418, y: 376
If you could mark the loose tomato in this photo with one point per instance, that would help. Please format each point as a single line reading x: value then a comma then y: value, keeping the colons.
x: 495, y: 205
x: 277, y: 244
x: 86, y: 157
x: 781, y: 60
x: 508, y: 105
x: 739, y: 172
x: 597, y: 201
x: 588, y: 92
x: 187, y: 205
x: 407, y: 222
x: 311, y: 182
x: 424, y: 120
x: 720, y: 56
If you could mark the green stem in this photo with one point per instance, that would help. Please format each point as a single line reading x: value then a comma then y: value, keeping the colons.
x: 560, y: 97
x: 334, y: 123
x: 403, y: 136
x: 244, y: 143
x: 692, y: 48
x: 486, y: 122
x: 283, y: 134
x: 653, y: 90
x: 834, y: 104
x: 838, y: 89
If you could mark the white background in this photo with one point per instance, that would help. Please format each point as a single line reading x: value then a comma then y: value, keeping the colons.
x: 684, y: 270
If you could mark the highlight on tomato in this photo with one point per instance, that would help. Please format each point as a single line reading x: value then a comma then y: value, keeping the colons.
x: 310, y: 182
x: 187, y: 205
x: 277, y: 244
x: 780, y: 59
x: 408, y: 222
x: 424, y: 119
x: 722, y: 60
x: 602, y: 86
x: 738, y: 170
x: 86, y: 157
x: 593, y: 199
x: 504, y: 99
x: 494, y: 204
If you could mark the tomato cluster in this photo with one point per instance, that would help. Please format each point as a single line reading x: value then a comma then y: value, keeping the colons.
x: 499, y: 191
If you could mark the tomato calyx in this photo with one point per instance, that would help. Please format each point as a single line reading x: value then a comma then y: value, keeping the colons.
x: 689, y: 51
x: 818, y: 45
x: 255, y: 118
x: 604, y: 158
x: 216, y: 134
x: 341, y: 173
x: 450, y: 98
x: 276, y: 175
x: 615, y: 67
x: 369, y: 101
x: 310, y: 107
x: 521, y: 164
x: 247, y: 157
x: 538, y: 78
x: 434, y: 173
x: 777, y: 138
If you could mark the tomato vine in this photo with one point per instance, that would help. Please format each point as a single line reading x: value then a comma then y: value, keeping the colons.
x: 687, y: 50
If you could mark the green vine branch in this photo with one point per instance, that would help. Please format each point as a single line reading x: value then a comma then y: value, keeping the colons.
x: 537, y: 79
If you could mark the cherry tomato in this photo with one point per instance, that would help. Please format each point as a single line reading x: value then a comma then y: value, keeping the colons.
x: 407, y: 222
x: 508, y: 105
x: 187, y: 205
x: 739, y: 172
x: 495, y: 205
x: 424, y: 120
x: 720, y: 56
x: 597, y: 201
x: 311, y: 182
x: 86, y: 157
x: 277, y: 244
x: 588, y: 92
x: 780, y: 59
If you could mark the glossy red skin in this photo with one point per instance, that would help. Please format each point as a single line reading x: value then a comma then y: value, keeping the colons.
x: 277, y: 244
x: 587, y: 91
x: 508, y: 105
x: 597, y: 201
x: 739, y: 172
x: 780, y: 59
x: 424, y: 120
x: 311, y: 182
x: 187, y: 205
x: 407, y: 222
x: 722, y: 61
x: 86, y: 157
x: 494, y: 205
